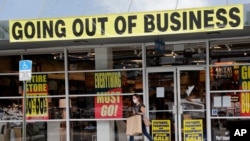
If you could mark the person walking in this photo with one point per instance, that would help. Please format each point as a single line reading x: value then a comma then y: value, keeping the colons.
x: 139, y: 109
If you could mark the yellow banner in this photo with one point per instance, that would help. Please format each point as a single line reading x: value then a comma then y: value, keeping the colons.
x: 128, y: 25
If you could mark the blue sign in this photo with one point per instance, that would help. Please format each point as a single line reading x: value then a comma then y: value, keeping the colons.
x: 25, y: 69
x: 25, y: 65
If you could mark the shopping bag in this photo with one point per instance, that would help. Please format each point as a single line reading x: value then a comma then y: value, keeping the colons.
x: 146, y: 121
x: 134, y: 125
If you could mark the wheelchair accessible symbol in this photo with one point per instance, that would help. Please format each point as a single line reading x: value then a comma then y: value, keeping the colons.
x: 25, y: 67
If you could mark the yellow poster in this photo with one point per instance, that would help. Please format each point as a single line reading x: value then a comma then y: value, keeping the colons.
x: 36, y: 102
x: 161, y: 130
x: 193, y: 130
x: 128, y: 25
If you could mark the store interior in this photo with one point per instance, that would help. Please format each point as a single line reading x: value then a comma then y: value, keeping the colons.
x: 128, y: 60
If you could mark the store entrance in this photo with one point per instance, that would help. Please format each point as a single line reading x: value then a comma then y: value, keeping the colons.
x: 176, y: 99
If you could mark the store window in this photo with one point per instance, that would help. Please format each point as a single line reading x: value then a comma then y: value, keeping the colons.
x: 43, y: 94
x: 46, y: 94
x: 94, y: 97
x: 120, y: 57
x: 161, y: 54
x: 229, y: 86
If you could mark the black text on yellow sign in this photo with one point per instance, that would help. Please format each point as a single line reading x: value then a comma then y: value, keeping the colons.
x: 193, y: 130
x: 127, y: 25
x: 245, y: 85
x: 161, y: 130
x: 108, y: 80
x: 161, y: 137
x: 37, y: 102
x: 37, y: 106
x: 193, y: 138
x: 37, y: 84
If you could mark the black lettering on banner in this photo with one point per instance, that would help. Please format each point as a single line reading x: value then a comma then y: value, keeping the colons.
x: 29, y: 106
x: 220, y: 16
x: 16, y: 31
x: 37, y: 105
x: 234, y: 16
x: 208, y: 18
x: 131, y: 24
x: 149, y: 25
x: 194, y: 20
x: 77, y: 31
x: 44, y: 103
x: 38, y: 29
x: 26, y: 30
x: 102, y: 21
x: 41, y: 105
x: 121, y: 20
x: 184, y: 24
x: 88, y: 24
x: 175, y: 21
x: 60, y: 25
x: 47, y: 29
x: 165, y: 22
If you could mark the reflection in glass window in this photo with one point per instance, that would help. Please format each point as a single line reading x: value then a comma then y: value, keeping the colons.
x: 122, y: 57
x: 84, y: 82
x: 176, y: 54
x: 98, y: 107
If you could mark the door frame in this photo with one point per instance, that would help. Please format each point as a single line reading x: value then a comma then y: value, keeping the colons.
x: 177, y: 111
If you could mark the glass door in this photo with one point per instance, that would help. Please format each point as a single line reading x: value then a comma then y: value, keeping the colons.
x: 176, y: 98
x: 191, y: 103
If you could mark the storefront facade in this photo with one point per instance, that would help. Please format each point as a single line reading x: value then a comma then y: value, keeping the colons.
x: 193, y: 78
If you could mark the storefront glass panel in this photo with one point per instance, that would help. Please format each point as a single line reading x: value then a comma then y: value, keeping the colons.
x: 81, y: 83
x: 83, y: 130
x: 86, y: 107
x: 229, y: 87
x: 121, y: 57
x: 161, y: 54
x: 45, y: 60
x: 177, y: 100
x: 35, y: 131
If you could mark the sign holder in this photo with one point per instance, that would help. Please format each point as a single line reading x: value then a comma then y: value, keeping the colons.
x: 25, y: 67
x: 24, y: 110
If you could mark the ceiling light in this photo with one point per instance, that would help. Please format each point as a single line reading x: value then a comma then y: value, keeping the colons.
x: 217, y: 47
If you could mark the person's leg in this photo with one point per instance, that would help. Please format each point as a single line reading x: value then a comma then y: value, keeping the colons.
x: 131, y: 138
x: 145, y: 132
